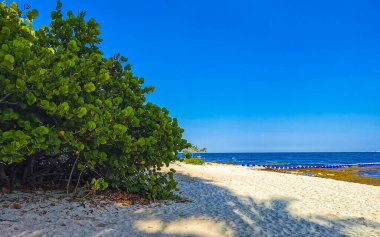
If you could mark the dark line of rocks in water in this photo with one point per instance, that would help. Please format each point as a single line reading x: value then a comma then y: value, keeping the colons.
x: 334, y: 166
x: 349, y: 173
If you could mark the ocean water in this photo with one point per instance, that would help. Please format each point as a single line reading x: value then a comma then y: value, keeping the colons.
x: 299, y: 158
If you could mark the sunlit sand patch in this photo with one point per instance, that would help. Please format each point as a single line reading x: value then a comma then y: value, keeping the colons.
x: 194, y: 226
x: 36, y: 233
x: 104, y: 232
x: 362, y: 231
x: 244, y: 217
x: 150, y: 226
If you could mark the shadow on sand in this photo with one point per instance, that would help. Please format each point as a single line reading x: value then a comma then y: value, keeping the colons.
x: 218, y: 212
x: 215, y: 211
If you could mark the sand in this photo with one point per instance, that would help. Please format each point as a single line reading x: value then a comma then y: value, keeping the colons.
x: 227, y: 200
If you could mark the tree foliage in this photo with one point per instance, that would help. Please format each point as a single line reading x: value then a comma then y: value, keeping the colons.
x: 190, y: 151
x: 194, y: 161
x: 69, y: 114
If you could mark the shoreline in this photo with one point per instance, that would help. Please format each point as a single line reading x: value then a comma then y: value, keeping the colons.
x: 347, y: 174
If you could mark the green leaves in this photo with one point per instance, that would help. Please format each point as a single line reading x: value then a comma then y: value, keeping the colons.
x: 8, y: 61
x: 42, y: 71
x: 89, y: 87
x: 31, y: 98
x: 9, y: 58
x: 82, y: 111
x: 108, y: 103
x: 104, y: 76
x: 72, y: 46
x: 41, y: 130
x: 14, y: 7
x: 91, y: 125
x: 5, y: 31
x: 128, y: 112
x: 119, y: 130
x: 32, y: 14
x: 20, y: 84
x: 64, y: 90
x: 98, y: 184
x: 63, y: 108
x: 65, y: 103
x: 9, y: 115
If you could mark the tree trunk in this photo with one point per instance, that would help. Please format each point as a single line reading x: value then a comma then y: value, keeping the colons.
x: 4, y: 179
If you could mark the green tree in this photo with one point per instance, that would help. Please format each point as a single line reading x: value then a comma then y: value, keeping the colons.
x: 189, y: 152
x: 69, y: 114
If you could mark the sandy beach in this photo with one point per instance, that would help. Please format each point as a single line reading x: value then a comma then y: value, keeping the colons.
x: 227, y: 200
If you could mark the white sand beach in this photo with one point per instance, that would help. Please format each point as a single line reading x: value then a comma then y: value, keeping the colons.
x: 227, y: 200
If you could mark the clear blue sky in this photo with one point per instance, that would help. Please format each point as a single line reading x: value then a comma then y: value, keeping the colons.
x: 253, y: 75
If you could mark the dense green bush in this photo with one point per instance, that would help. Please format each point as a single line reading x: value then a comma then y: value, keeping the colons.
x: 194, y: 161
x: 68, y: 114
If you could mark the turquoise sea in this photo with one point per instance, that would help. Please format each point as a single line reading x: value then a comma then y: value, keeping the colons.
x: 299, y: 158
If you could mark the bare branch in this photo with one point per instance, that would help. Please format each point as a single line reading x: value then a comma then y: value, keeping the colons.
x: 75, y: 190
x: 71, y: 173
x: 8, y: 103
x: 3, y: 99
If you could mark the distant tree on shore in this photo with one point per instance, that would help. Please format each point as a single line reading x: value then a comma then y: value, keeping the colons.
x: 189, y: 153
x: 69, y: 115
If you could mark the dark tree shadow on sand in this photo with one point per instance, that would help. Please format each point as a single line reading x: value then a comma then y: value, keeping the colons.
x: 213, y: 213
x: 245, y: 216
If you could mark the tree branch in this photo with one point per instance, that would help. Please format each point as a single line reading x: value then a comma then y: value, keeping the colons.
x: 71, y: 173
x: 3, y: 99
x: 8, y: 103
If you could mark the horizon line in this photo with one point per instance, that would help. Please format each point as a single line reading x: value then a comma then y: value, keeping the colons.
x: 216, y: 152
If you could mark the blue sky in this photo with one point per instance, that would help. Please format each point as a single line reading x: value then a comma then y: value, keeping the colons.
x: 253, y: 75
